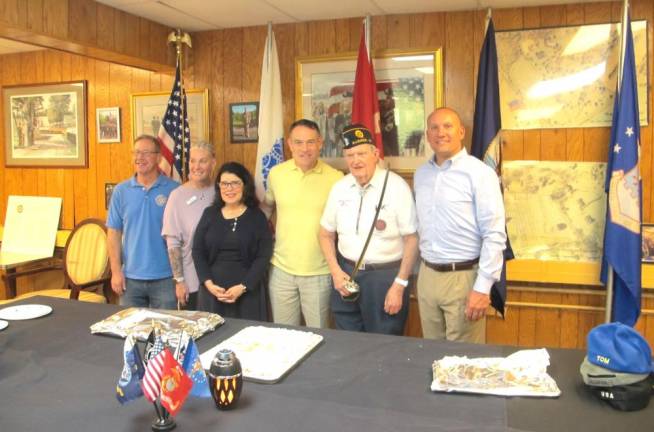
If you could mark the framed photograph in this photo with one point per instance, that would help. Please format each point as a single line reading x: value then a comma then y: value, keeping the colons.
x: 149, y: 108
x: 108, y: 191
x: 45, y: 125
x: 648, y: 243
x: 409, y: 86
x: 244, y: 122
x: 108, y: 124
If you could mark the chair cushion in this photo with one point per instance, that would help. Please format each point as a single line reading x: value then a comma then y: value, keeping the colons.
x: 62, y: 293
x: 87, y: 256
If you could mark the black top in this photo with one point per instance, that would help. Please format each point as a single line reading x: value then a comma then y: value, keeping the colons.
x: 231, y: 252
x: 255, y: 243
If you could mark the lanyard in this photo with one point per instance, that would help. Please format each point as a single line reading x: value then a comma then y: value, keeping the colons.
x: 372, y: 227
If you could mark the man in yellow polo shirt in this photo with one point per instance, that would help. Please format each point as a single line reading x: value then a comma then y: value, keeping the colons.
x: 300, y: 282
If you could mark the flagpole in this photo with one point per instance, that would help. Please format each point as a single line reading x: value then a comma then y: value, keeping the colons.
x: 366, y: 24
x: 489, y: 15
x: 269, y: 39
x: 623, y: 41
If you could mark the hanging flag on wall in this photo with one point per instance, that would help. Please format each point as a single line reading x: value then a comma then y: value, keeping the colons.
x: 270, y: 149
x: 174, y: 132
x: 622, y: 232
x: 486, y: 136
x: 365, y: 102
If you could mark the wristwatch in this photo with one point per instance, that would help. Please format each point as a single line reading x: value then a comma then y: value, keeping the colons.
x: 179, y: 279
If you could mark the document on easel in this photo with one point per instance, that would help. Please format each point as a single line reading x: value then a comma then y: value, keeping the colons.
x: 30, y: 228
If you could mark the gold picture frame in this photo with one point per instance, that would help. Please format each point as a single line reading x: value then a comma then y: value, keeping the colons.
x: 410, y: 83
x: 149, y: 108
x: 45, y: 125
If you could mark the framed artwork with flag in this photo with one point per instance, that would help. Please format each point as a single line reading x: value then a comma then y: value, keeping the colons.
x: 148, y: 110
x: 409, y: 86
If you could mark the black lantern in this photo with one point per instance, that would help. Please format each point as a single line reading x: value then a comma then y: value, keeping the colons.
x: 225, y: 379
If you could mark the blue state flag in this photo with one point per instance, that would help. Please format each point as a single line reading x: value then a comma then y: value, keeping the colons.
x: 193, y: 368
x: 485, y: 136
x: 622, y: 233
x: 129, y: 384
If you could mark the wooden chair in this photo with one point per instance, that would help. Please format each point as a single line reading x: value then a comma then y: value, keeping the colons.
x: 85, y: 265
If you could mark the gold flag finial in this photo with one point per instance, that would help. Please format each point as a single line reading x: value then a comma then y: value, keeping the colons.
x: 179, y: 38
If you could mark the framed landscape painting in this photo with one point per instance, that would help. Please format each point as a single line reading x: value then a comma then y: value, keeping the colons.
x: 45, y: 125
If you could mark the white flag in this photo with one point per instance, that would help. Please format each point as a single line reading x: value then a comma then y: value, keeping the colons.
x: 270, y: 150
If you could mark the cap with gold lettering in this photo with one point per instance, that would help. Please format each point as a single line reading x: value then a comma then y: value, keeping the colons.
x: 356, y: 134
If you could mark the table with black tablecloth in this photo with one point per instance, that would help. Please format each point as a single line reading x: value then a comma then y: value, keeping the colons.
x: 56, y: 376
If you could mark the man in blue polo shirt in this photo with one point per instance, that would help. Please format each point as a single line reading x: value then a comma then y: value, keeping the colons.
x: 140, y: 269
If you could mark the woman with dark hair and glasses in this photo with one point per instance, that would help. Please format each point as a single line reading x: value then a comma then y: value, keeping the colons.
x: 232, y: 248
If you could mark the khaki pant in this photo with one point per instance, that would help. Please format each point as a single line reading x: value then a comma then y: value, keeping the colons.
x: 291, y: 295
x: 442, y: 300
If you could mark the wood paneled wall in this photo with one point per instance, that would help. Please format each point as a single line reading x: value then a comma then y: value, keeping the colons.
x: 88, y: 28
x: 108, y: 85
x: 228, y: 62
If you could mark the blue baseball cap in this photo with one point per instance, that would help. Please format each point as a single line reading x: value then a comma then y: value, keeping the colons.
x: 619, y: 348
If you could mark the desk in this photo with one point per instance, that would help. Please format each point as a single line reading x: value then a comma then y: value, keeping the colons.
x: 36, y: 264
x: 56, y: 376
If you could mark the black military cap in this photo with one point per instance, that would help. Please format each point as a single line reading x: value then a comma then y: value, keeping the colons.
x: 630, y: 397
x: 356, y: 134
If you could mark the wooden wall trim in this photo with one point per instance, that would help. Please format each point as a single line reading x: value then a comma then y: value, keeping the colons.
x: 570, y: 307
x: 90, y: 29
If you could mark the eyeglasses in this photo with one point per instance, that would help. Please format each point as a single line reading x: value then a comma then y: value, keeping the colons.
x: 138, y: 153
x: 230, y: 185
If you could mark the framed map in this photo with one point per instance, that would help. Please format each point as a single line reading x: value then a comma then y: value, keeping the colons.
x: 555, y: 211
x: 565, y: 76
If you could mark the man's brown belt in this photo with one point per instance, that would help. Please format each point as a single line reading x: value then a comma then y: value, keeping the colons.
x: 450, y: 267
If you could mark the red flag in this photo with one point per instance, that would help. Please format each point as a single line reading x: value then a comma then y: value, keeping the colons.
x: 175, y: 384
x: 365, y: 104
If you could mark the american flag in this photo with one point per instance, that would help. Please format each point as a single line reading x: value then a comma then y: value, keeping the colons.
x: 174, y: 132
x: 153, y: 371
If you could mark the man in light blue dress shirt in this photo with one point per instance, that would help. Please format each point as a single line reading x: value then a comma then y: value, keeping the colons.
x: 461, y: 227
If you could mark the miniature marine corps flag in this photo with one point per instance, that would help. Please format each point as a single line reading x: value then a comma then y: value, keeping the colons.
x: 622, y: 235
x: 129, y: 384
x: 175, y: 384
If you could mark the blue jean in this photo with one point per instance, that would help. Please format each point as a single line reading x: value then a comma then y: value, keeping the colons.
x: 155, y: 294
x: 367, y: 313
